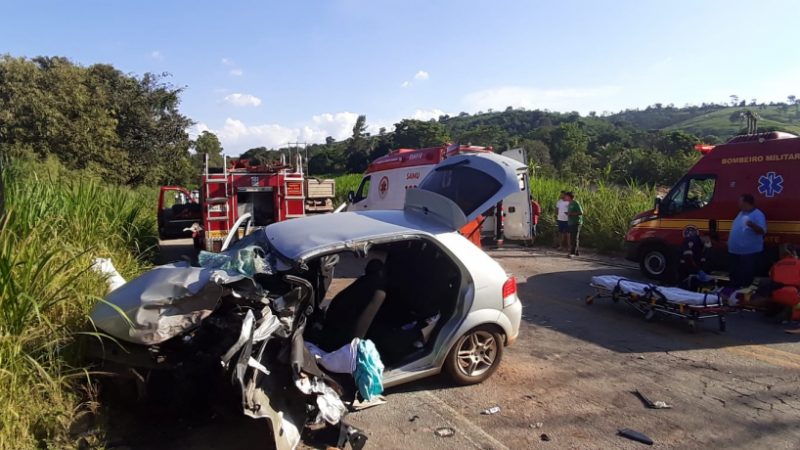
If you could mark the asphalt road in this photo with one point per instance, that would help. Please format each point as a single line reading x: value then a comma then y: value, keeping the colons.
x: 570, y: 377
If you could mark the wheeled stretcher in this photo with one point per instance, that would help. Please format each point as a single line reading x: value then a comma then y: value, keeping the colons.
x: 650, y: 300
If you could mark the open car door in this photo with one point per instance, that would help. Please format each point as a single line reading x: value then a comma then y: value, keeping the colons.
x: 517, y: 206
x: 462, y: 187
x: 177, y: 210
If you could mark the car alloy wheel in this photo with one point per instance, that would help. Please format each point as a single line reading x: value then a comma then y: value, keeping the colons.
x: 477, y: 352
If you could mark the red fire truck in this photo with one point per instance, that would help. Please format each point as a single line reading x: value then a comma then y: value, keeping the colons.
x: 269, y: 193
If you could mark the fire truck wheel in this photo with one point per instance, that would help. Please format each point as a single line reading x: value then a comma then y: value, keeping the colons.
x: 655, y: 262
x: 475, y: 356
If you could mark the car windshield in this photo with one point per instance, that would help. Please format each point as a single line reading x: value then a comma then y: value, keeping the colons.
x: 467, y: 187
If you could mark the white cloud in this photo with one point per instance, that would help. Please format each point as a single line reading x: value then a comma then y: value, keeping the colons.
x: 405, y: 84
x: 421, y: 75
x: 427, y: 114
x: 157, y: 55
x: 237, y: 136
x: 236, y: 72
x: 238, y: 99
x: 197, y: 129
x: 226, y: 61
x: 566, y: 99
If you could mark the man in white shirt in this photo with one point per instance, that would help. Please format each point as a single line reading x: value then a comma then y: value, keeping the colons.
x: 562, y: 219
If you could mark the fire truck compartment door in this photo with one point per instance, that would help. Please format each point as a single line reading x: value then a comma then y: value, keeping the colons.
x: 517, y: 206
x: 258, y: 201
x: 461, y: 188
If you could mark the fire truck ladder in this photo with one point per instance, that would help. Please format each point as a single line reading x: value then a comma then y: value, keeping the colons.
x: 216, y: 178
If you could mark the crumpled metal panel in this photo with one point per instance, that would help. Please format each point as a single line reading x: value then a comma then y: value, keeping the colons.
x: 161, y: 303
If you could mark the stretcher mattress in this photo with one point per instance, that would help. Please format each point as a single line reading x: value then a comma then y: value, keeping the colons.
x: 670, y: 294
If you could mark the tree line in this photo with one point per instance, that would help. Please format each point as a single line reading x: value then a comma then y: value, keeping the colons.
x: 128, y: 129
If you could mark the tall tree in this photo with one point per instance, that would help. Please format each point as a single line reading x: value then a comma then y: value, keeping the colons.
x: 410, y: 133
x: 358, y: 147
x: 208, y: 144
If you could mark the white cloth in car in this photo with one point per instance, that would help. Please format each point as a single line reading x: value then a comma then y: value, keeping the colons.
x: 342, y: 360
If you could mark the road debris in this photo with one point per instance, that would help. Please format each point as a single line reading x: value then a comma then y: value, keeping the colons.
x: 635, y: 436
x: 649, y: 403
x: 413, y: 418
x: 490, y: 411
x: 445, y: 432
x: 544, y: 437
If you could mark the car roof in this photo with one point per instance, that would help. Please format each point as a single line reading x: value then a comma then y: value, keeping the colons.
x: 304, y: 238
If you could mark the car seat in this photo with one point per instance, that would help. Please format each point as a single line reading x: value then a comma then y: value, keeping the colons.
x: 353, y: 310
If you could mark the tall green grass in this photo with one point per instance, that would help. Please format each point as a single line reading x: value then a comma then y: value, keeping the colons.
x: 55, y: 223
x: 345, y: 184
x: 609, y: 208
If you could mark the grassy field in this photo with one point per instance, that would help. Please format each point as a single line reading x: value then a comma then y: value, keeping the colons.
x: 609, y: 209
x: 719, y: 124
x: 55, y: 223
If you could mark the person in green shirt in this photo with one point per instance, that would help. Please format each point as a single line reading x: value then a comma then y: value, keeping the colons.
x: 574, y: 221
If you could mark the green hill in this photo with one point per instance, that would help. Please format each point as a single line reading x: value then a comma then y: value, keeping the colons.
x: 718, y: 122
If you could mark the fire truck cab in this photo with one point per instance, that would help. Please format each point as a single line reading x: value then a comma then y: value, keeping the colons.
x: 387, y: 178
x: 268, y: 193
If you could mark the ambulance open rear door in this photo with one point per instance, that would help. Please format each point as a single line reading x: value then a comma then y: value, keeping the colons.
x: 517, y: 206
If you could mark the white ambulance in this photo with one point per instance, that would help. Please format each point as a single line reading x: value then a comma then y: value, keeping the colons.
x: 387, y: 178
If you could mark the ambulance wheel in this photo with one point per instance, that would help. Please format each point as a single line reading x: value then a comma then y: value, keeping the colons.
x: 655, y: 262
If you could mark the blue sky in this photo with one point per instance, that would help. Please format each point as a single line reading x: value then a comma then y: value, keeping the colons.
x: 266, y: 73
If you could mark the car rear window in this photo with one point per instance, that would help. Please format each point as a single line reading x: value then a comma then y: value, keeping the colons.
x: 466, y: 187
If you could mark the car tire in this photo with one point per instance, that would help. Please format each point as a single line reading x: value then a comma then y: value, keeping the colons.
x: 655, y: 263
x: 475, y: 355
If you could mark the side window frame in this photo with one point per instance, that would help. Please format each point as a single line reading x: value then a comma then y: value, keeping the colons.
x: 360, y: 194
x: 685, y: 185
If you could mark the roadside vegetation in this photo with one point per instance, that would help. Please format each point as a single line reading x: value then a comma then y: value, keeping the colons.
x: 54, y: 225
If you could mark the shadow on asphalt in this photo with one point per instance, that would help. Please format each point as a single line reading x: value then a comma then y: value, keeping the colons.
x: 557, y: 300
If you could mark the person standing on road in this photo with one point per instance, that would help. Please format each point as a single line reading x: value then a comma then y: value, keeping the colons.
x: 536, y: 211
x: 746, y: 242
x: 562, y: 219
x: 574, y: 222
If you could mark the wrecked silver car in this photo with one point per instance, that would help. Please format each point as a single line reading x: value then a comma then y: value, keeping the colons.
x: 424, y: 300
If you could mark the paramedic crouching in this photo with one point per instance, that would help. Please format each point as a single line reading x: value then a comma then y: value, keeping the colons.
x: 746, y: 242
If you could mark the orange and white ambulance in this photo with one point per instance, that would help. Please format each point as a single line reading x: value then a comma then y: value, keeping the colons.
x: 387, y: 178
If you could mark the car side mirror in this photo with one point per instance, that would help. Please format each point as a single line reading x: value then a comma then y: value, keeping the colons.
x: 351, y: 197
x: 713, y: 232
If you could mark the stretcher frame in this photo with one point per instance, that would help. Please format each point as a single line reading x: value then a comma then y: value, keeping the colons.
x: 653, y: 302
